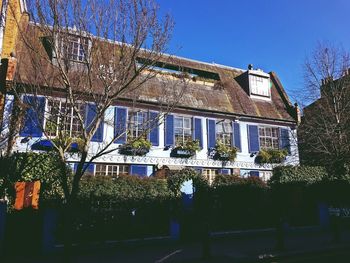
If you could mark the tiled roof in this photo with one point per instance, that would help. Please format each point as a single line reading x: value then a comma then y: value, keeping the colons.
x: 231, y: 97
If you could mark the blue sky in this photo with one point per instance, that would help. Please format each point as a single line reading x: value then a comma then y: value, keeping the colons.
x: 275, y: 35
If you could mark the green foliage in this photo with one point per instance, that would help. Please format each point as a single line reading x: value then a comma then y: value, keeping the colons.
x: 29, y: 167
x: 124, y: 189
x: 139, y: 146
x: 190, y: 145
x: 271, y: 156
x: 298, y: 174
x: 224, y: 152
x: 222, y: 180
x: 178, y: 178
x: 141, y: 143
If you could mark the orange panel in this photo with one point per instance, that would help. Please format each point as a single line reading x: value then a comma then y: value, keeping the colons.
x: 20, y: 188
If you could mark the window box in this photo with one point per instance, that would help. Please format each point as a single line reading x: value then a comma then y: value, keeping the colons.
x: 186, y: 150
x: 182, y: 153
x: 139, y: 147
x: 128, y: 150
x: 271, y: 156
x: 223, y: 152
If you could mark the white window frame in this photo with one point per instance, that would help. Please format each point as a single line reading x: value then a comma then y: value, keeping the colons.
x: 265, y: 175
x: 72, y: 116
x: 210, y: 174
x: 275, y: 140
x: 224, y: 136
x: 137, y: 128
x: 183, y: 129
x: 105, y: 170
x: 259, y: 86
x: 82, y: 54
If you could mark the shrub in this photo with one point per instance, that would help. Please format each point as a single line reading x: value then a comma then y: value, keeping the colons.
x: 176, y: 179
x: 306, y: 175
x: 125, y: 188
x: 30, y: 166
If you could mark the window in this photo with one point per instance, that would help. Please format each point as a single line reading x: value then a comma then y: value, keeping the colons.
x: 137, y: 124
x: 111, y: 169
x: 259, y: 86
x: 265, y: 175
x: 62, y: 117
x: 210, y: 174
x: 77, y: 48
x: 183, y: 129
x: 269, y: 138
x: 224, y: 132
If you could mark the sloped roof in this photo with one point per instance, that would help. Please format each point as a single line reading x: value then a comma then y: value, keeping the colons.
x: 231, y: 97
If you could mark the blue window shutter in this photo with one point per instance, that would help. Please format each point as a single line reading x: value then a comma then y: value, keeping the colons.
x: 237, y: 136
x: 198, y: 131
x: 140, y: 170
x: 34, y: 116
x: 120, y: 119
x: 90, y: 168
x: 91, y: 111
x: 225, y: 171
x: 254, y: 173
x: 169, y: 130
x: 284, y: 139
x: 211, y: 133
x: 154, y: 133
x: 253, y: 138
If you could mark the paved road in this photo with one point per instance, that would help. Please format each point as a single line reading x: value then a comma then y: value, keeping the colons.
x: 301, y: 246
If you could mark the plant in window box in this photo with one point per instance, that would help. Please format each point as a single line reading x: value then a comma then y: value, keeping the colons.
x: 186, y: 149
x: 224, y: 153
x: 271, y: 156
x: 139, y: 146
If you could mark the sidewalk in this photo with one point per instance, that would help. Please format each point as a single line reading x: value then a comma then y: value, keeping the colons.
x: 238, y: 247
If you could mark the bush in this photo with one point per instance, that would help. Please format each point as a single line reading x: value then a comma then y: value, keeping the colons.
x: 240, y: 203
x: 28, y: 167
x: 176, y: 179
x: 296, y: 192
x: 123, y: 207
x: 124, y: 188
x: 305, y: 175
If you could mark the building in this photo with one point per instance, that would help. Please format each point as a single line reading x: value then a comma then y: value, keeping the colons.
x: 245, y: 108
x: 324, y: 130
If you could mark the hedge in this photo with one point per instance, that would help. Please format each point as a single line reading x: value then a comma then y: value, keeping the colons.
x: 306, y: 175
x: 30, y: 166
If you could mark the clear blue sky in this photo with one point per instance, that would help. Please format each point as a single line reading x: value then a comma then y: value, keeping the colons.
x: 275, y: 35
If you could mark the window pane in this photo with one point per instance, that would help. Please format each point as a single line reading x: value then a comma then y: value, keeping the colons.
x: 177, y: 122
x: 187, y: 123
x: 219, y: 128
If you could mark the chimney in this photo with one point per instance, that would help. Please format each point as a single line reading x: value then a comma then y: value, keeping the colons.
x: 297, y: 113
x: 250, y: 67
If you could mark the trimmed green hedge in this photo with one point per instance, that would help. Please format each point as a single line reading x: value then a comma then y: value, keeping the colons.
x: 307, y: 175
x: 124, y: 188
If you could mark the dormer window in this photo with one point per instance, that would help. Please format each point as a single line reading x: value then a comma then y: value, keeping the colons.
x: 259, y: 84
x: 77, y: 48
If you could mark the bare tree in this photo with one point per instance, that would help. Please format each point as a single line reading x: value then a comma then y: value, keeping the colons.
x: 324, y: 134
x: 90, y: 53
